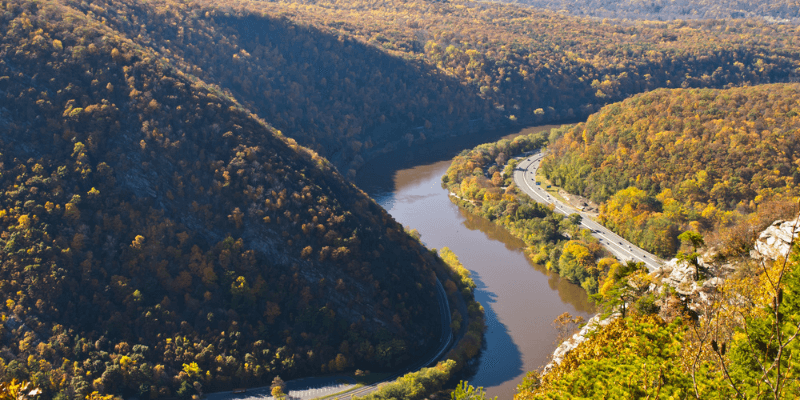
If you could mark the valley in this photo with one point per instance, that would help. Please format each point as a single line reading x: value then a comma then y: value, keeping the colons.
x: 202, y: 197
x: 521, y: 298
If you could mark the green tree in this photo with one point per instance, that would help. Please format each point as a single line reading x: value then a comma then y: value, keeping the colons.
x: 465, y: 391
x: 695, y: 240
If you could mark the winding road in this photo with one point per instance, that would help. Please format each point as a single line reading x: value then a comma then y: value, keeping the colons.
x: 525, y: 178
x: 342, y: 387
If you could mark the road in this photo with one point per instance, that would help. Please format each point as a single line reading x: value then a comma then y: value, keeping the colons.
x: 313, y: 388
x: 305, y: 388
x: 525, y: 178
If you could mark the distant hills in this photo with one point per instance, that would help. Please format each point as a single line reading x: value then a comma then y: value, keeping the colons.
x: 353, y: 79
x: 662, y: 10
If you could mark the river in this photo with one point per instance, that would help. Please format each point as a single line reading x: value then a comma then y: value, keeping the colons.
x: 521, y: 298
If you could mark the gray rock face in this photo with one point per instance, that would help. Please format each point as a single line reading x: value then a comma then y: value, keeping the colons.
x: 578, y: 338
x: 775, y: 242
x: 677, y: 274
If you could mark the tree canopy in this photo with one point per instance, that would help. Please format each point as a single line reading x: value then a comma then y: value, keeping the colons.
x: 158, y: 239
x: 670, y: 161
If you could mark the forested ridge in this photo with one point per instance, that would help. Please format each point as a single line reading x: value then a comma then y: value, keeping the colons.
x: 715, y: 163
x: 356, y: 78
x: 668, y: 161
x: 734, y: 335
x: 158, y: 239
x: 769, y: 10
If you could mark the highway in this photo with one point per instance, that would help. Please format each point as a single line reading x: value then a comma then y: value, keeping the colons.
x: 313, y: 388
x: 525, y: 178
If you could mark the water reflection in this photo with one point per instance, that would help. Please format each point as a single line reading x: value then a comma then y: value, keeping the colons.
x: 569, y: 292
x: 384, y: 177
x: 521, y: 299
x: 499, y: 354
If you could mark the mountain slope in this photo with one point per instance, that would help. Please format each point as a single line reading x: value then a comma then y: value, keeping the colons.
x: 357, y: 78
x: 722, y: 337
x: 158, y: 238
x: 672, y: 160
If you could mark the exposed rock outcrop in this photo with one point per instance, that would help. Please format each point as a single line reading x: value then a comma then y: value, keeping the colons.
x: 772, y: 244
x: 775, y: 242
x: 568, y: 345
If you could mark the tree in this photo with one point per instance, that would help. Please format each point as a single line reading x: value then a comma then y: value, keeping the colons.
x: 18, y: 390
x: 575, y: 219
x: 565, y: 324
x: 465, y: 391
x: 621, y: 287
x: 277, y: 393
x: 763, y: 359
x: 695, y: 240
x: 692, y: 238
x: 278, y: 388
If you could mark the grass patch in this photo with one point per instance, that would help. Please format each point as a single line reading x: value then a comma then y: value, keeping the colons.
x: 552, y: 190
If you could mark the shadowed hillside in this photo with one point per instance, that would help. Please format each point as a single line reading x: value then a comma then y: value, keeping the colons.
x: 353, y: 79
x: 159, y: 239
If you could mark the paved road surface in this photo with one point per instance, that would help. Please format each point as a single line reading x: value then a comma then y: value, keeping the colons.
x: 306, y: 388
x: 525, y: 178
x: 312, y: 388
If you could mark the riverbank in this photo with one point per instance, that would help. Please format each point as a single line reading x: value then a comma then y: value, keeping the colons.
x: 519, y: 337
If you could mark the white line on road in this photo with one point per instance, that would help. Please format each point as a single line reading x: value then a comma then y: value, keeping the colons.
x: 598, y: 231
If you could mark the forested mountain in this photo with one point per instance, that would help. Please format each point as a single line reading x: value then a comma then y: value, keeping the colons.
x: 158, y: 239
x: 355, y: 78
x: 770, y: 10
x: 673, y: 160
x: 160, y: 235
x: 735, y: 337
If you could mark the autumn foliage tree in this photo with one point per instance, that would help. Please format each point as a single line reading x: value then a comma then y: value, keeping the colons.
x: 670, y: 161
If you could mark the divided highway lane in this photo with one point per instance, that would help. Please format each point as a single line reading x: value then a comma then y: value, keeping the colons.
x: 525, y: 178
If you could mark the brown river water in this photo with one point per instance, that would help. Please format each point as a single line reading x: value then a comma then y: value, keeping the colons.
x: 521, y: 298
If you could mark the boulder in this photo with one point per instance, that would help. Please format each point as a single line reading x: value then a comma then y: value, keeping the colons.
x: 578, y: 338
x: 775, y: 241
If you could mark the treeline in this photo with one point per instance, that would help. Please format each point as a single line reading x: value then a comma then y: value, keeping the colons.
x: 769, y: 10
x: 674, y: 160
x: 350, y: 79
x: 481, y: 181
x: 158, y: 240
x: 740, y: 342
